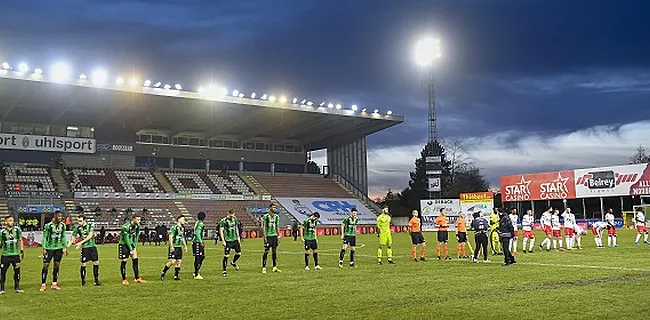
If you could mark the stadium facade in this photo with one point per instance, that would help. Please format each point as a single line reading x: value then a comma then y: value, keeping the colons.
x: 83, y: 132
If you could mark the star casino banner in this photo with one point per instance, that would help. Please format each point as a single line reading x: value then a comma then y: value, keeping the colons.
x: 430, y: 209
x: 475, y: 202
x: 628, y: 180
x: 332, y: 210
x: 555, y: 185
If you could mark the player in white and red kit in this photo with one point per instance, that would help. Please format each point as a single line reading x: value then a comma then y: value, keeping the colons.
x: 527, y: 223
x: 556, y: 226
x: 579, y: 232
x: 611, y: 229
x: 514, y: 217
x: 545, y: 221
x: 569, y: 227
x: 641, y: 228
x: 597, y: 229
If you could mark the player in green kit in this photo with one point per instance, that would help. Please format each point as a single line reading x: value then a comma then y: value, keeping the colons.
x: 229, y: 232
x: 86, y: 233
x: 54, y: 245
x: 308, y: 236
x: 176, y: 243
x: 198, y: 247
x: 127, y: 248
x: 270, y: 223
x: 349, y: 236
x: 11, y: 242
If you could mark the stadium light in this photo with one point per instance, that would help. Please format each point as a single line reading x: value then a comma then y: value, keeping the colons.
x: 283, y: 99
x: 83, y: 76
x: 330, y: 105
x: 338, y: 106
x: 147, y: 83
x: 133, y: 82
x: 201, y: 90
x: 157, y: 84
x: 235, y: 93
x: 389, y: 112
x: 426, y: 51
x: 253, y: 95
x: 263, y: 97
x: 272, y: 98
x: 60, y: 71
x: 303, y: 101
x: 354, y: 107
x: 119, y: 81
x: 241, y: 95
x: 167, y: 86
x: 295, y: 100
x: 6, y: 66
x: 178, y: 86
x: 376, y: 111
x: 309, y: 103
x: 99, y: 77
x: 321, y: 104
x: 23, y: 68
x: 38, y: 71
x: 363, y: 110
x: 72, y: 128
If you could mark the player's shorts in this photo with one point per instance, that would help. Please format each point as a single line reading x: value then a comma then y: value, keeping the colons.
x: 611, y: 231
x: 461, y: 237
x: 177, y: 254
x: 385, y: 239
x: 642, y: 229
x: 56, y: 254
x: 528, y: 234
x: 232, y: 245
x: 350, y: 241
x: 515, y: 235
x: 8, y: 260
x: 89, y: 254
x: 123, y: 252
x: 311, y: 244
x: 569, y: 232
x: 198, y: 249
x: 557, y: 234
x: 548, y: 231
x: 443, y: 236
x: 271, y: 242
x: 417, y: 238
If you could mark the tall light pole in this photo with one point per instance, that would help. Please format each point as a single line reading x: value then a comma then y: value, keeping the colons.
x: 427, y: 51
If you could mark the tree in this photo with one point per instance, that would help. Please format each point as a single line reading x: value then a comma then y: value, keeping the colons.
x: 641, y: 156
x: 312, y: 167
x: 390, y: 196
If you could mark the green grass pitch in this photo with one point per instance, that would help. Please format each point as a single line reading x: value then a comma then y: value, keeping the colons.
x: 581, y: 284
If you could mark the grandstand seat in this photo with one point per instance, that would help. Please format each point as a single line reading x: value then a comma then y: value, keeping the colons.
x: 29, y: 177
x: 109, y: 180
x: 301, y: 185
x: 202, y: 183
x: 158, y: 212
x: 216, y: 210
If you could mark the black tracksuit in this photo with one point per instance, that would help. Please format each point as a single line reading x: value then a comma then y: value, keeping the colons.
x: 480, y: 227
x: 506, y: 230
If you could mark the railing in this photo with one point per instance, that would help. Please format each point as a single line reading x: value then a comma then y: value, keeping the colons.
x: 357, y: 192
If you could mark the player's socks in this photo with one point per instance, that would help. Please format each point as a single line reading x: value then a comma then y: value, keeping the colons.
x: 274, y: 258
x: 352, y: 257
x: 645, y: 237
x: 177, y: 272
x: 96, y: 273
x: 423, y: 250
x: 638, y: 237
x: 609, y: 241
x: 379, y: 254
x: 414, y: 252
x: 532, y: 245
x: 438, y: 250
x: 614, y: 241
x: 136, y: 269
x: 82, y: 272
x: 342, y: 255
x: 524, y: 242
x: 265, y: 258
x: 55, y: 275
x: 44, y: 276
x: 446, y: 249
x: 306, y: 259
x: 514, y: 245
x: 234, y: 260
x: 165, y: 269
x: 316, y: 259
x: 389, y: 252
x: 123, y: 270
x: 224, y: 263
x: 17, y: 279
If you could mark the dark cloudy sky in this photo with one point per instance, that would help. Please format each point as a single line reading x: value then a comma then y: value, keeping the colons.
x: 527, y: 85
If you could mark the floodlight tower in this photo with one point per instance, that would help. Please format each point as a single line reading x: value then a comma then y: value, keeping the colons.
x: 427, y: 51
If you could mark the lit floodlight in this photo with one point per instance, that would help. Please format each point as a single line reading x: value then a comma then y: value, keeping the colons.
x: 241, y: 95
x: 167, y: 87
x: 147, y: 83
x: 6, y: 66
x: 330, y: 105
x: 178, y: 86
x: 309, y: 103
x: 60, y: 71
x: 99, y: 77
x: 295, y: 100
x: 83, y: 76
x: 157, y: 84
x: 283, y: 99
x: 322, y: 104
x: 389, y: 112
x: 263, y: 97
x: 364, y: 110
x: 272, y: 98
x: 338, y: 106
x: 38, y: 71
x: 235, y: 93
x: 133, y: 82
x: 253, y: 95
x: 354, y: 107
x: 376, y: 111
x: 119, y: 81
x: 216, y: 91
x: 303, y: 101
x: 201, y: 90
x: 22, y: 68
x: 426, y: 51
x: 73, y: 128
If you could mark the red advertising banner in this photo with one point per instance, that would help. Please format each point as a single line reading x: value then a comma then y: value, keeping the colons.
x: 538, y: 186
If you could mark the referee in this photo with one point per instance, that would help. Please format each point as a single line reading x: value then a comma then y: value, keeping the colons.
x: 480, y: 226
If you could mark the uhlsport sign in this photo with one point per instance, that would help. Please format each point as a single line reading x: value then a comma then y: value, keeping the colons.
x: 46, y: 143
x: 332, y: 210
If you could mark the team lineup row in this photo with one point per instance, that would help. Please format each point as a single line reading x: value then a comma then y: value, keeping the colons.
x: 55, y: 244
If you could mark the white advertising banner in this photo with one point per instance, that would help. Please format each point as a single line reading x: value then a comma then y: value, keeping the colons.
x: 332, y: 210
x: 47, y: 143
x: 612, y: 181
x: 475, y: 202
x: 430, y: 209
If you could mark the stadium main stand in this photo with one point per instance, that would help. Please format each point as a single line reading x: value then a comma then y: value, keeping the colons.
x: 110, y: 180
x: 207, y: 183
x: 159, y: 212
x: 302, y: 185
x: 29, y: 178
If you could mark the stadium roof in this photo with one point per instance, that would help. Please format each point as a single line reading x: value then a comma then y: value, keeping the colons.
x: 30, y: 98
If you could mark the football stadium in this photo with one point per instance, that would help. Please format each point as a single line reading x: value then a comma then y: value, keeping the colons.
x: 131, y: 163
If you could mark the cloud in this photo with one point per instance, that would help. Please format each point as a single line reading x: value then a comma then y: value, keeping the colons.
x: 513, y: 152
